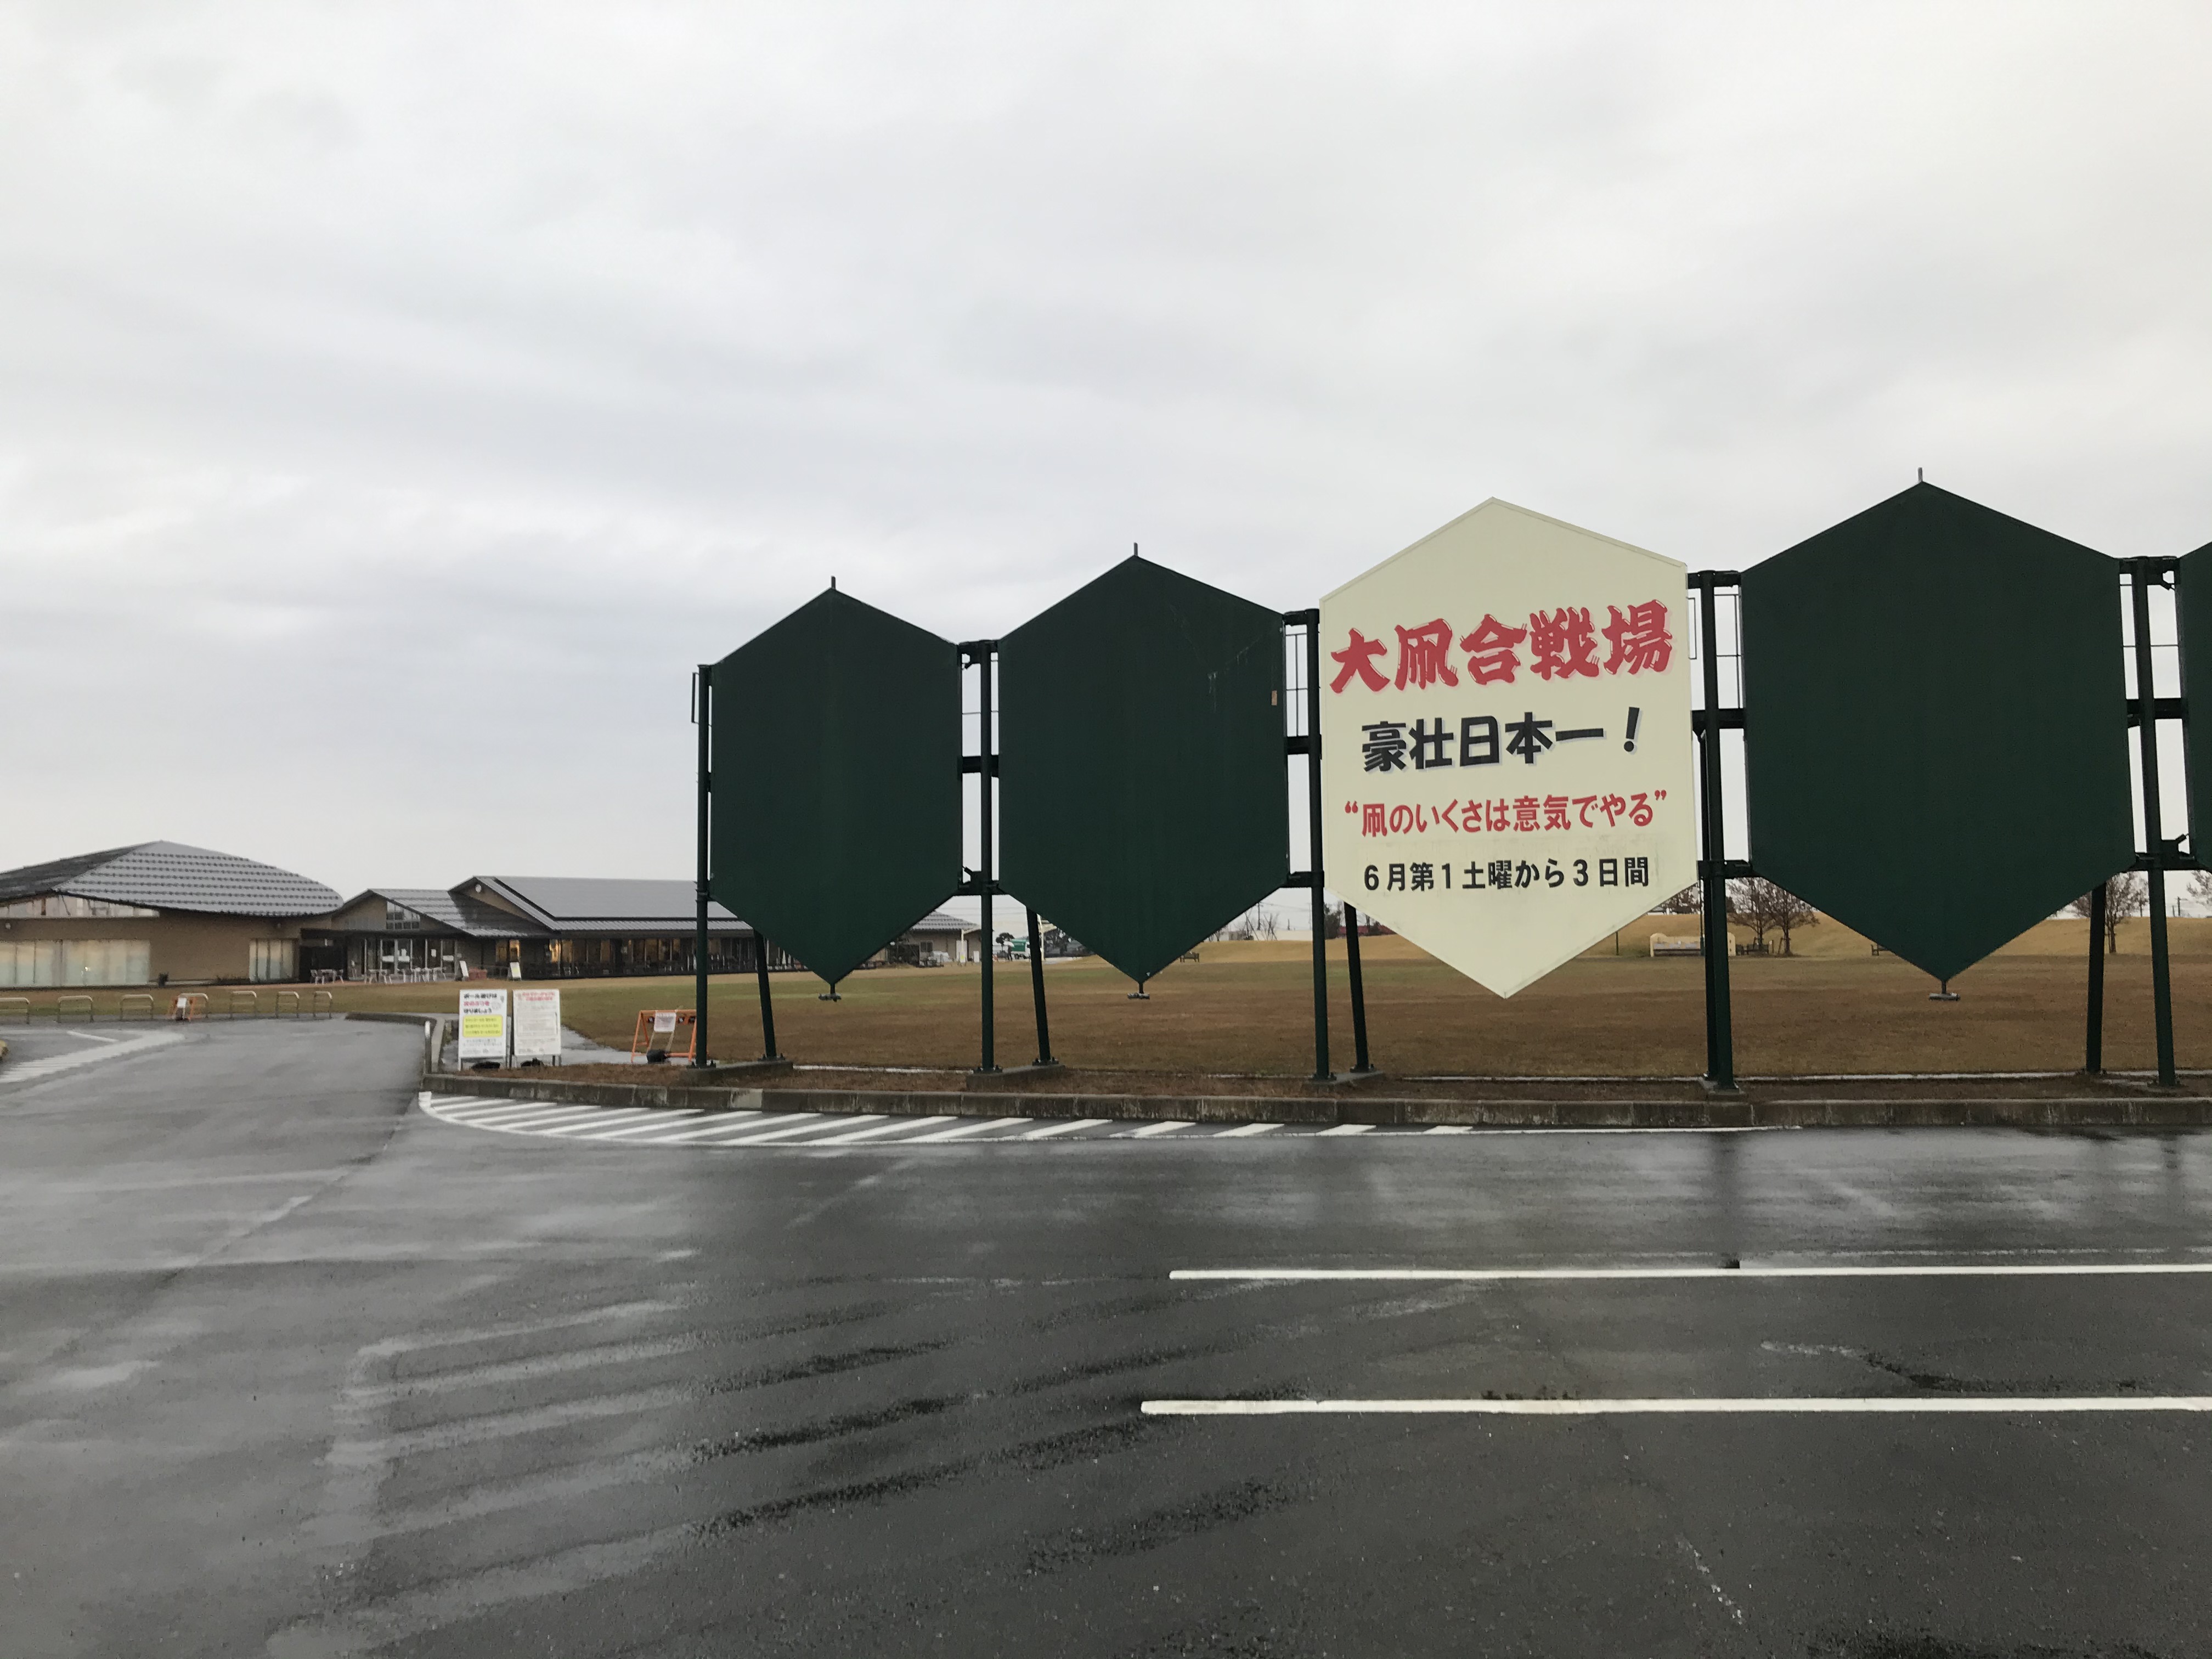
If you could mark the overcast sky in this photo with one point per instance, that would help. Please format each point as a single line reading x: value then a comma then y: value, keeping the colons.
x: 396, y: 401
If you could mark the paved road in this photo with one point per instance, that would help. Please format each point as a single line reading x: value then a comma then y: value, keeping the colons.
x: 290, y: 1366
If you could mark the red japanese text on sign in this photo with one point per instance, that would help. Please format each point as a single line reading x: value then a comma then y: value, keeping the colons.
x: 1562, y: 644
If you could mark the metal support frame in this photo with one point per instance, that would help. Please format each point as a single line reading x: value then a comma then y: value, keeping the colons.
x: 702, y: 713
x: 1316, y: 878
x: 1310, y: 745
x: 1036, y: 988
x: 1720, y: 1036
x: 2144, y: 572
x: 984, y: 654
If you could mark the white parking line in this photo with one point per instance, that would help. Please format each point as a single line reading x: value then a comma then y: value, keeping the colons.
x: 1167, y: 1128
x: 1066, y: 1128
x: 1918, y: 1270
x: 962, y: 1131
x: 26, y: 1071
x: 1348, y: 1129
x: 2007, y: 1405
x: 1448, y: 1129
x: 1246, y: 1129
x: 879, y: 1130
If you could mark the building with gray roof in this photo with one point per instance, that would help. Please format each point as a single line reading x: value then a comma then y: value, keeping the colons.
x: 155, y: 913
x: 160, y: 913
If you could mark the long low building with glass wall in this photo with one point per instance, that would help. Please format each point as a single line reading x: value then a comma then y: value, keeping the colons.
x: 530, y: 927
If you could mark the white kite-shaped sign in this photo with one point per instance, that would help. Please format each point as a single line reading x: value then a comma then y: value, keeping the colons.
x: 1505, y: 741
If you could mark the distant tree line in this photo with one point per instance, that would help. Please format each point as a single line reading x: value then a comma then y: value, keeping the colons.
x: 1754, y: 902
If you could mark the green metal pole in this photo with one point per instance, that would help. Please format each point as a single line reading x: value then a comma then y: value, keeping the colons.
x: 1720, y: 1038
x: 2161, y: 978
x: 2093, y: 1060
x: 769, y: 1050
x: 1359, y: 1065
x: 1036, y: 988
x: 706, y: 788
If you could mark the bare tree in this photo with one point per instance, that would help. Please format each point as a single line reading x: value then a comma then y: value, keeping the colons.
x: 2124, y: 895
x: 1258, y: 922
x: 1767, y: 908
x: 1688, y: 902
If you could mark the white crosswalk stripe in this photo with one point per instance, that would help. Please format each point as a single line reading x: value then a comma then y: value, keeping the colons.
x: 659, y: 1127
x: 620, y: 1115
x: 801, y: 1131
x: 901, y: 1126
x: 962, y: 1131
x: 793, y: 1131
x: 731, y: 1123
x: 544, y: 1119
x: 482, y: 1114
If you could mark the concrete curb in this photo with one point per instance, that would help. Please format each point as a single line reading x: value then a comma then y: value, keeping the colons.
x: 2096, y: 1111
x: 402, y: 1018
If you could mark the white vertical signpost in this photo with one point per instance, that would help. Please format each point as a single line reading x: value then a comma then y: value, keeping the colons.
x: 1505, y: 741
x: 538, y: 1026
x: 483, y: 1026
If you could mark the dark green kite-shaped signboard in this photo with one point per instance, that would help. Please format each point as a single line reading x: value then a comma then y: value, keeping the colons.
x: 1936, y: 724
x: 1141, y: 764
x: 2193, y: 601
x: 837, y: 774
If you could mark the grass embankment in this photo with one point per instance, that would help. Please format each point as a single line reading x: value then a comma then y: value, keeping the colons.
x: 1248, y: 1008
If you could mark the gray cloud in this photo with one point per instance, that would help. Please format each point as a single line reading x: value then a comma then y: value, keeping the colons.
x: 395, y: 402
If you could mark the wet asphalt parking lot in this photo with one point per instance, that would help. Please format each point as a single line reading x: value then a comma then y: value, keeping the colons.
x: 290, y: 1365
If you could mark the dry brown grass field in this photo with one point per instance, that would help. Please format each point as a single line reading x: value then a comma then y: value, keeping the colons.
x: 1247, y: 1007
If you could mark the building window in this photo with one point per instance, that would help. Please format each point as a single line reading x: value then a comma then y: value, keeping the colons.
x: 30, y: 962
x: 69, y: 905
x: 272, y: 961
x: 75, y: 962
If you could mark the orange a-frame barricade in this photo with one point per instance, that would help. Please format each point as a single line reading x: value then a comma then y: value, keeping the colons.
x: 658, y: 1029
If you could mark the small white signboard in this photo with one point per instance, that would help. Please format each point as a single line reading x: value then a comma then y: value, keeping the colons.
x: 538, y: 1026
x: 1505, y: 741
x: 483, y: 1026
